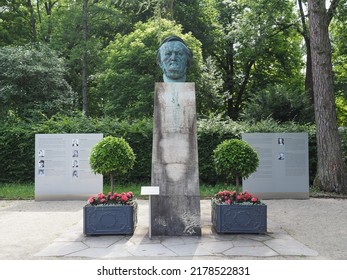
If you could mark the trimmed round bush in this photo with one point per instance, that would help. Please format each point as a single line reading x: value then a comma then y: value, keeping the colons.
x: 112, y: 156
x: 235, y: 159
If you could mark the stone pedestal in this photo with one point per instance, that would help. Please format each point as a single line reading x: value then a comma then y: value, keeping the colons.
x: 176, y: 211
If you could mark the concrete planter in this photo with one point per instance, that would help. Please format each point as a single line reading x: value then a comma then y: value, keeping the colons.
x: 110, y: 219
x: 239, y: 218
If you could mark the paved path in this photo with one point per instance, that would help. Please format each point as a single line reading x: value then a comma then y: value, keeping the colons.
x: 276, y: 243
x: 297, y: 229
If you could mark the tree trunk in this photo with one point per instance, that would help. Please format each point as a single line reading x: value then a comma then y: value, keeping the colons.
x: 237, y: 185
x: 305, y: 34
x: 85, y: 104
x: 32, y: 21
x: 308, y: 76
x: 112, y: 183
x: 49, y: 7
x: 331, y: 174
x: 229, y: 81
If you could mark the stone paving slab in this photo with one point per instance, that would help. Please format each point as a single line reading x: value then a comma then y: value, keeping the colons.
x: 276, y: 242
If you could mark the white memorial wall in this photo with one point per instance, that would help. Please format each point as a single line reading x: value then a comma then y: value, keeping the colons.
x: 62, y: 170
x: 283, y: 170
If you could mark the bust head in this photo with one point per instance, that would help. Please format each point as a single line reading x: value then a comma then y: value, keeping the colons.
x: 174, y: 58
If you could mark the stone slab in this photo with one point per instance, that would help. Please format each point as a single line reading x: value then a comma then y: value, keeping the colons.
x: 256, y: 251
x: 59, y: 249
x: 151, y: 250
x: 290, y: 247
x: 220, y: 246
x: 176, y: 210
x: 194, y: 249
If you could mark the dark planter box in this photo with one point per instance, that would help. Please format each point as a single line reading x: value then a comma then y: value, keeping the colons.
x: 112, y: 219
x: 239, y: 218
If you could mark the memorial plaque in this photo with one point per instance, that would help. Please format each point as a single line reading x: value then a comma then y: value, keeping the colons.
x: 62, y: 170
x: 283, y: 170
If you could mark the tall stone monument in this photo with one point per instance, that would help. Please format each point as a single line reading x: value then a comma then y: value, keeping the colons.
x: 176, y: 211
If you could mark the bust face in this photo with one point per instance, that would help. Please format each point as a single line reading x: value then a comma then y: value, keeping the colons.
x: 173, y: 61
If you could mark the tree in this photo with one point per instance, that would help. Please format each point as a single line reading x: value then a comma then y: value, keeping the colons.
x: 253, y: 44
x: 331, y: 174
x: 125, y: 82
x: 305, y: 34
x: 82, y: 28
x: 281, y: 103
x: 85, y: 104
x: 32, y: 82
x: 112, y: 156
x: 338, y: 35
x: 235, y: 159
x: 14, y: 19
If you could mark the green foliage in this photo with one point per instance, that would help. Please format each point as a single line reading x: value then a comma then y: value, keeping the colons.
x: 338, y: 35
x: 112, y: 155
x: 341, y: 110
x: 32, y: 82
x: 211, y: 132
x: 214, y: 130
x: 17, y: 145
x: 129, y: 72
x: 235, y: 158
x: 281, y: 104
x: 254, y: 44
x: 14, y: 19
x: 17, y: 142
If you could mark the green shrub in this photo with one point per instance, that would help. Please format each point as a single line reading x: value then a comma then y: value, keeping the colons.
x: 235, y: 159
x: 281, y: 103
x: 211, y: 132
x: 112, y: 156
x: 17, y: 145
x: 17, y: 142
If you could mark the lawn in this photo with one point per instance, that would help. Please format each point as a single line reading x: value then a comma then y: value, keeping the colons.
x: 27, y: 191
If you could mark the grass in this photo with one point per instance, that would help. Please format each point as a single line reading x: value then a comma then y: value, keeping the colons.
x: 15, y: 191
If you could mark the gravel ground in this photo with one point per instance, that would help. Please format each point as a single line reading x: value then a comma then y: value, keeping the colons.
x: 27, y: 227
x: 319, y: 223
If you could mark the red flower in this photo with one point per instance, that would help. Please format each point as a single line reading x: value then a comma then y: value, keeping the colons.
x: 111, y: 199
x: 130, y: 194
x: 231, y: 197
x: 254, y: 199
x: 101, y: 196
x: 124, y: 197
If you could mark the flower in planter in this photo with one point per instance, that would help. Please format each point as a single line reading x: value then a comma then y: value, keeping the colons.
x: 234, y: 212
x: 124, y: 198
x: 231, y: 197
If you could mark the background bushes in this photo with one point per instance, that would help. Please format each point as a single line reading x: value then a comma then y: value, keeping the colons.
x: 214, y: 130
x: 17, y: 142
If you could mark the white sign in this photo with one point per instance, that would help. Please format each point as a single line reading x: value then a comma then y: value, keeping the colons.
x: 283, y: 170
x: 62, y: 170
x: 150, y: 190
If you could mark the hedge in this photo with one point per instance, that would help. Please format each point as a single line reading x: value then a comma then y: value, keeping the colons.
x: 17, y: 142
